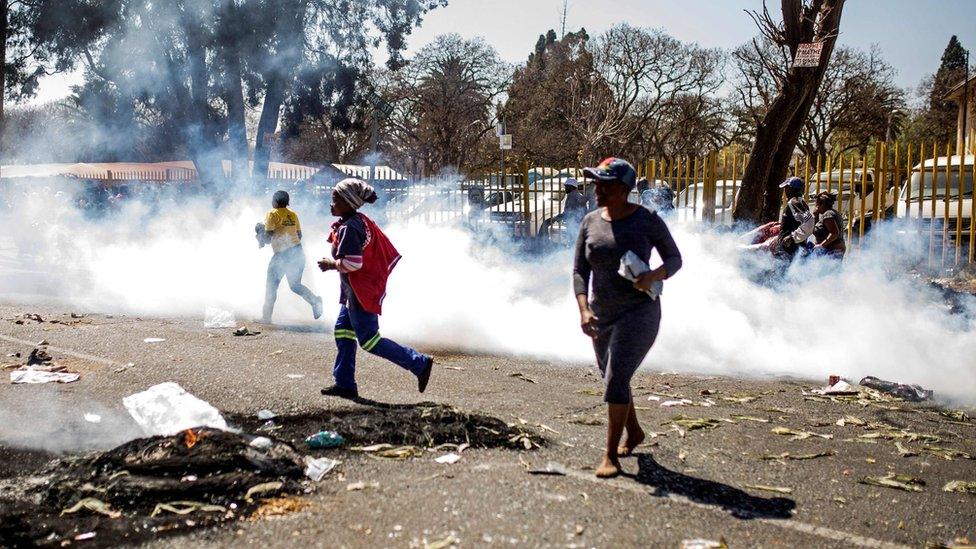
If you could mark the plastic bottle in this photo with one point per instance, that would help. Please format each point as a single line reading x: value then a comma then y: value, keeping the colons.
x: 325, y: 439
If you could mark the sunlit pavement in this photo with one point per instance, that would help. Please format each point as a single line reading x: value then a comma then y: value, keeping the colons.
x: 679, y: 487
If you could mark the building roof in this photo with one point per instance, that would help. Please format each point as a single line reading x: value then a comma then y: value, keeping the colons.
x: 163, y: 171
x: 957, y: 90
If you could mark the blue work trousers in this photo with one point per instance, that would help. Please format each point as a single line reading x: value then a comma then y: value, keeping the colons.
x: 357, y: 326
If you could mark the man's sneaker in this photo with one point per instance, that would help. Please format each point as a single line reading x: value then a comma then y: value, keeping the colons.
x: 340, y: 392
x: 317, y: 308
x: 424, y: 376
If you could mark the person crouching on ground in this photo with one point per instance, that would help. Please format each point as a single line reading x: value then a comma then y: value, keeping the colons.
x: 827, y: 229
x: 618, y: 314
x: 364, y: 257
x: 283, y: 231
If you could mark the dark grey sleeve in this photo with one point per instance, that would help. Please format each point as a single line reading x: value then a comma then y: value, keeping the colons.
x: 581, y: 267
x: 665, y: 246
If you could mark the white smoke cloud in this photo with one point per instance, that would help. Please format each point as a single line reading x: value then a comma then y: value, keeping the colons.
x: 453, y: 291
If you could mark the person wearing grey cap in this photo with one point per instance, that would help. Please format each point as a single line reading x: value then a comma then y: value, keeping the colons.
x: 619, y: 315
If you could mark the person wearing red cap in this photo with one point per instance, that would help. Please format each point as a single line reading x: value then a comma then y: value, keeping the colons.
x: 620, y: 316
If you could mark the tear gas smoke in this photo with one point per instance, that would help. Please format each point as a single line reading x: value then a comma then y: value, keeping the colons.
x: 453, y: 291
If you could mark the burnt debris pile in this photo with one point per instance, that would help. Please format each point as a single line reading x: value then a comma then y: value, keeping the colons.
x: 423, y: 425
x: 151, y: 485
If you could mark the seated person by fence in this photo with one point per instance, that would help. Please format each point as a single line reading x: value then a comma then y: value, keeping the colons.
x: 827, y: 229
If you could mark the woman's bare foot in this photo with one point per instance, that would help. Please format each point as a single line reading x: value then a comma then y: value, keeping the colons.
x: 634, y: 439
x: 609, y: 468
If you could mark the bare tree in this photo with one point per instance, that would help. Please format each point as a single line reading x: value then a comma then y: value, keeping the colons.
x: 778, y: 131
x: 857, y: 102
x: 445, y: 103
x: 638, y: 75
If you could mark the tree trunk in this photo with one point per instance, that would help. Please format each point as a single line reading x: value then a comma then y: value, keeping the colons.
x: 203, y: 149
x: 290, y: 33
x: 779, y: 131
x: 236, y: 127
x: 274, y: 96
x: 3, y: 66
x: 229, y: 48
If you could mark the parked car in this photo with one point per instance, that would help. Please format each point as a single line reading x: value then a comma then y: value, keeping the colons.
x: 922, y: 186
x: 545, y: 197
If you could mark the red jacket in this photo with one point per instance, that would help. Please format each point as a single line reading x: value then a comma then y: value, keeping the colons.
x: 379, y: 259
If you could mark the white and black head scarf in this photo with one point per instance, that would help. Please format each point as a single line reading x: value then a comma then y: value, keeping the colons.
x: 355, y: 192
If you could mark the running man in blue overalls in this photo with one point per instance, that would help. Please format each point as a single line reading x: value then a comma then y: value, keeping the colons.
x: 364, y: 257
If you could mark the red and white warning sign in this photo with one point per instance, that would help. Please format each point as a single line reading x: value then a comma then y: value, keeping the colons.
x: 808, y: 55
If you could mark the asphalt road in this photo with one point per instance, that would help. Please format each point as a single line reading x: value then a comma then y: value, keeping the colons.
x: 681, y: 485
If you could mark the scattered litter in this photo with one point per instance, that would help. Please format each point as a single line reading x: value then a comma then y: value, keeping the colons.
x: 38, y: 356
x: 186, y: 507
x: 456, y: 368
x: 904, y: 452
x: 777, y: 489
x: 325, y: 439
x: 448, y: 459
x: 32, y: 376
x: 706, y: 392
x: 751, y: 418
x: 522, y: 376
x: 294, y: 376
x: 266, y: 414
x: 655, y: 398
x: 840, y: 500
x: 261, y: 443
x: 316, y: 469
x: 961, y: 487
x: 244, y: 331
x: 123, y: 368
x: 798, y: 457
x: 741, y: 399
x: 449, y: 541
x: 551, y: 468
x: 93, y: 505
x: 911, y: 393
x: 218, y: 318
x: 276, y: 353
x: 263, y: 488
x: 841, y: 388
x: 947, y: 454
x: 704, y: 544
x: 356, y: 486
x: 896, y: 481
x: 586, y: 421
x: 580, y: 529
x: 694, y: 423
x: 388, y: 451
x: 166, y: 409
x: 682, y: 402
x: 78, y: 315
x: 93, y: 418
x: 799, y: 435
x: 42, y: 343
x: 154, y: 340
x: 279, y: 506
x: 958, y: 416
x: 85, y: 536
x: 850, y: 420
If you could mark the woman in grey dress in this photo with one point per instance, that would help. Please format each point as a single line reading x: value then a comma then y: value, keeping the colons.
x: 620, y: 317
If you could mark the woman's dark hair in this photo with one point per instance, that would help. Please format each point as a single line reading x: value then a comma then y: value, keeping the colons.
x: 280, y: 199
x: 827, y: 199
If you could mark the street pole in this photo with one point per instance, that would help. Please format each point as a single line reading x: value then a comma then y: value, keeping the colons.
x: 373, y: 138
x: 965, y: 107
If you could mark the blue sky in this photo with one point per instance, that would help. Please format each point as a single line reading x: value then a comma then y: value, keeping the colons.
x: 911, y: 33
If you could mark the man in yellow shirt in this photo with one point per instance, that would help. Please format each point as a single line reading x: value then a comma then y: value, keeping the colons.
x: 283, y: 231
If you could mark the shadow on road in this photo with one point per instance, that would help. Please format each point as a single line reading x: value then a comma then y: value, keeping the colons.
x: 738, y: 503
